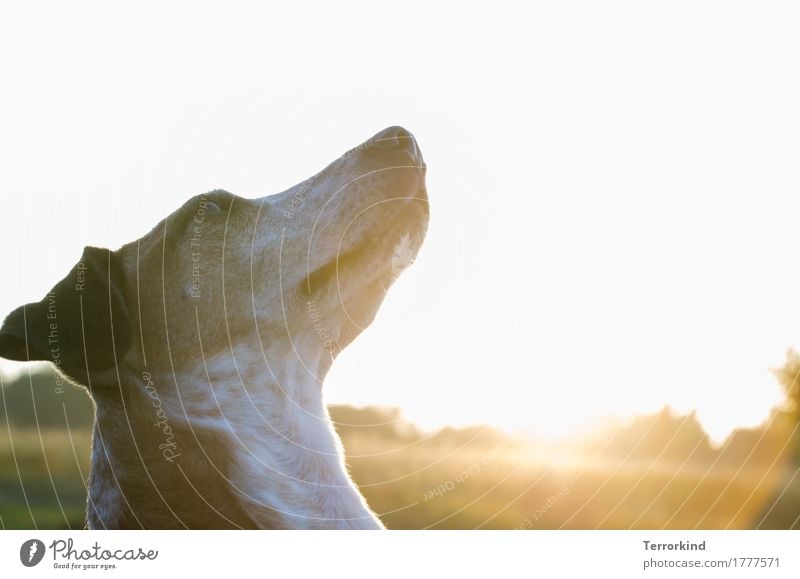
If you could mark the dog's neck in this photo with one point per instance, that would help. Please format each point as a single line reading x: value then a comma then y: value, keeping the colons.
x: 210, y: 448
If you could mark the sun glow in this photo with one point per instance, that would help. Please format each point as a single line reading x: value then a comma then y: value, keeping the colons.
x: 605, y: 238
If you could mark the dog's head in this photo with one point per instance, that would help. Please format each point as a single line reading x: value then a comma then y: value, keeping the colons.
x: 310, y: 265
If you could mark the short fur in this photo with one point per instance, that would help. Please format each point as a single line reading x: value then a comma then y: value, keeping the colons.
x: 204, y: 345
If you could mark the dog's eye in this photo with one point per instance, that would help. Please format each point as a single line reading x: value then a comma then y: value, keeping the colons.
x: 207, y: 205
x: 217, y: 201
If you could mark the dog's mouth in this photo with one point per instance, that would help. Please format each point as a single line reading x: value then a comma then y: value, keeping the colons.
x: 386, y: 246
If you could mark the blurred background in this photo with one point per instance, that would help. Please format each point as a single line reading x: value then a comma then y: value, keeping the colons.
x: 610, y: 274
x: 653, y: 471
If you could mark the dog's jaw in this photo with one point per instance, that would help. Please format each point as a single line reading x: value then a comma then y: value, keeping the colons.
x: 349, y: 289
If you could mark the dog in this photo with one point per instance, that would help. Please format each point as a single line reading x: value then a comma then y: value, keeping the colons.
x: 205, y: 343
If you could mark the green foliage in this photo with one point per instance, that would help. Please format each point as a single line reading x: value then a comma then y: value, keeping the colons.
x: 789, y: 377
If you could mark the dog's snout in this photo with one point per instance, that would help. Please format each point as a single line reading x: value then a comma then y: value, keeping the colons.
x: 397, y: 138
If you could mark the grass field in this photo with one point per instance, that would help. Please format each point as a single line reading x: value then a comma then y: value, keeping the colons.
x: 42, y: 478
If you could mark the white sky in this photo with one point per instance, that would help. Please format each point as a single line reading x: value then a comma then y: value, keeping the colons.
x: 614, y: 191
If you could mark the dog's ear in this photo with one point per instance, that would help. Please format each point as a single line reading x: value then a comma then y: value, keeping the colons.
x: 81, y: 325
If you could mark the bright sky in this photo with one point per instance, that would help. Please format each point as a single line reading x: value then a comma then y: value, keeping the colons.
x: 614, y: 191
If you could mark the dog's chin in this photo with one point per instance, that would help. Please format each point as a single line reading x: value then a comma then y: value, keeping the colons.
x: 358, y: 277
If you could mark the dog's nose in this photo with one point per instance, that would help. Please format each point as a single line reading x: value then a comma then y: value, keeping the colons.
x: 397, y: 138
x: 392, y: 138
